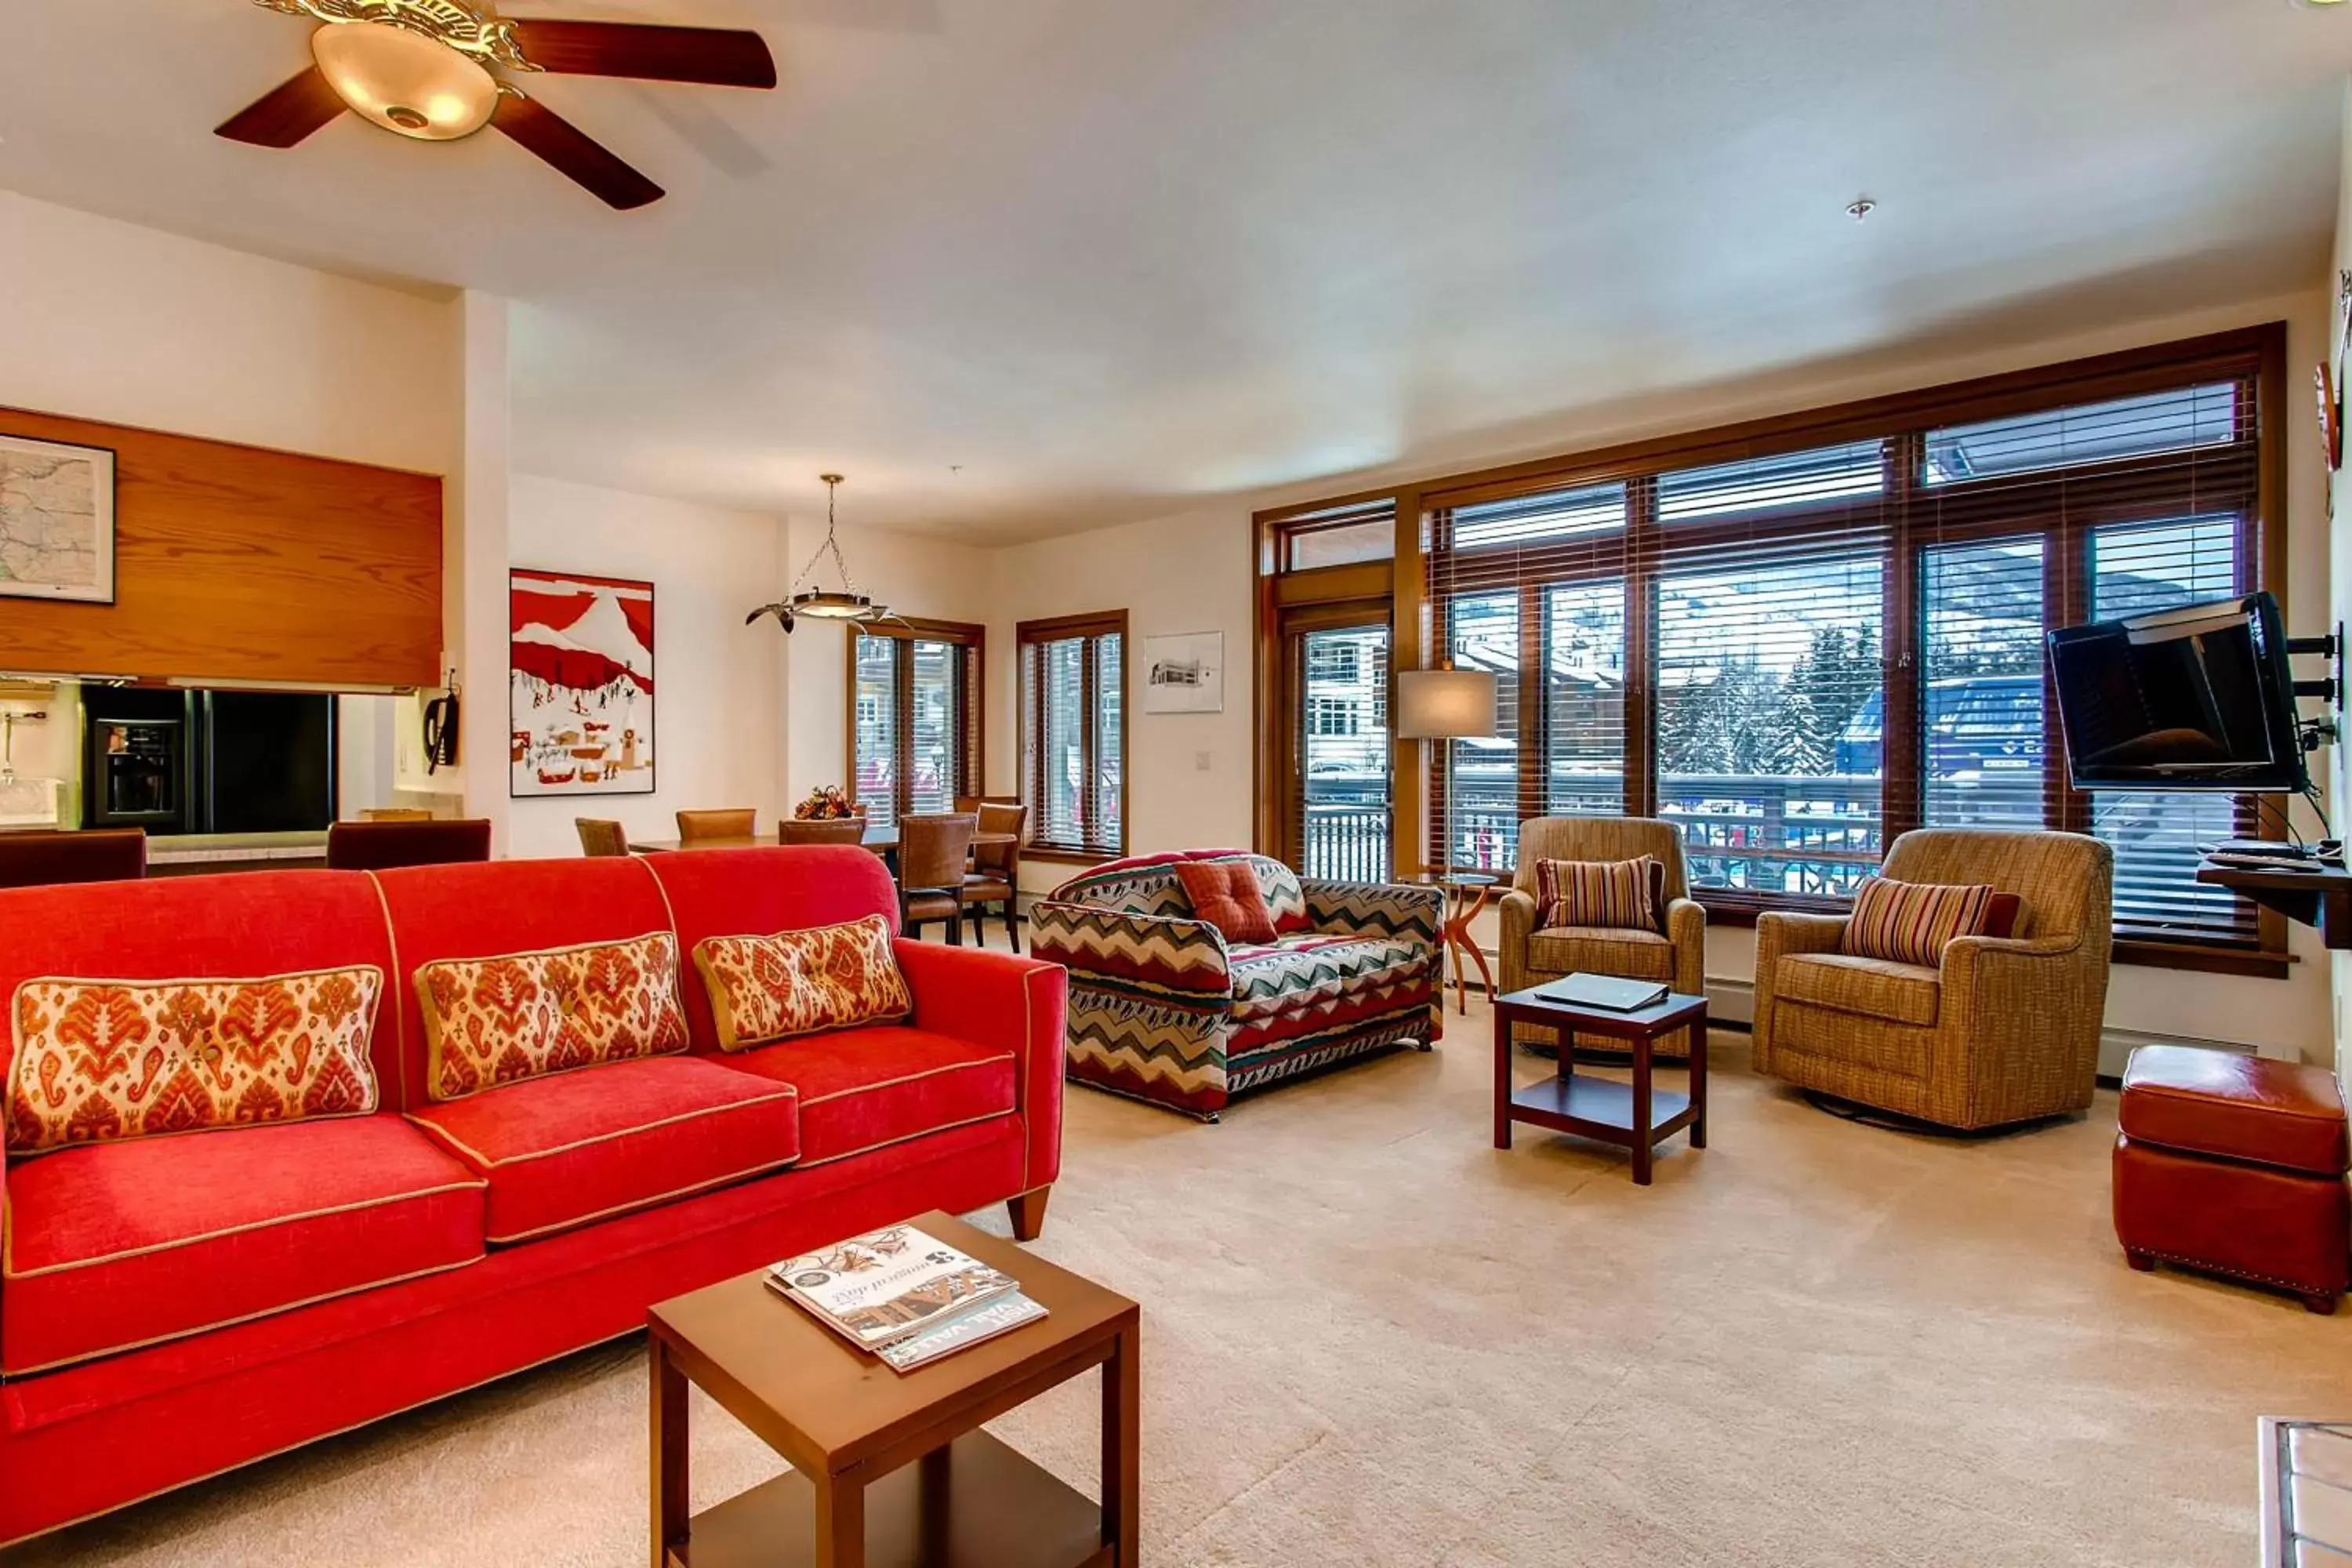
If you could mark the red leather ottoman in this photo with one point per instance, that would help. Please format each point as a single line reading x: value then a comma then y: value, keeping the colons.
x: 2235, y: 1165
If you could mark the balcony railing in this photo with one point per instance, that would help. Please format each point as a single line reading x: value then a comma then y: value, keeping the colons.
x: 1347, y: 844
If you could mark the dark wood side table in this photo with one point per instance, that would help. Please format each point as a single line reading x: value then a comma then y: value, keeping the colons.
x: 891, y: 1468
x: 1634, y: 1116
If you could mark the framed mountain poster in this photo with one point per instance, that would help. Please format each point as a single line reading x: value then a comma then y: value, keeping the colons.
x: 580, y: 691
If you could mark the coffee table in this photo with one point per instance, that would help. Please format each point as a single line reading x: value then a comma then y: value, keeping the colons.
x: 888, y: 1467
x: 1633, y: 1116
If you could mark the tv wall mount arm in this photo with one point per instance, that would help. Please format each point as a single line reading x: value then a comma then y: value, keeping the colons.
x: 2317, y: 732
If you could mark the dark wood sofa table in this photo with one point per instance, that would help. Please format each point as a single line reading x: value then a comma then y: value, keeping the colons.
x: 892, y: 1470
x: 1636, y: 1116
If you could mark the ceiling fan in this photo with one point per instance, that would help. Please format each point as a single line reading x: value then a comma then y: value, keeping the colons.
x: 424, y: 69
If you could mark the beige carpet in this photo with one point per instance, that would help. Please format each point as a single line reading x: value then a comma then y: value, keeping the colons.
x: 1371, y: 1339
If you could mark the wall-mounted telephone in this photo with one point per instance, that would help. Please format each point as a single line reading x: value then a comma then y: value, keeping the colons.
x: 441, y: 729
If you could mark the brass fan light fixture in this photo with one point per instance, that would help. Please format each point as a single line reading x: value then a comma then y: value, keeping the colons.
x: 427, y: 70
x: 842, y: 603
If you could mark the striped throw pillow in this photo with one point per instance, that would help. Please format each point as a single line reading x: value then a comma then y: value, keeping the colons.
x: 1622, y: 895
x: 1909, y: 922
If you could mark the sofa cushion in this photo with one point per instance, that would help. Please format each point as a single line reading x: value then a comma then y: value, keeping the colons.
x: 564, y: 1150
x: 488, y: 908
x: 125, y: 1244
x: 2236, y: 1107
x: 1225, y: 894
x: 768, y: 988
x: 1874, y: 987
x: 1601, y: 950
x: 100, y: 1059
x: 864, y: 1089
x: 241, y: 924
x: 1293, y: 972
x: 489, y: 1021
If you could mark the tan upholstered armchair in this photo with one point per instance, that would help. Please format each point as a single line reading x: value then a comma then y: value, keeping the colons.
x: 1676, y: 956
x: 2005, y: 1029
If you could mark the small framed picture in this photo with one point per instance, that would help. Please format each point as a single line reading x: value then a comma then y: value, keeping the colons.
x: 57, y: 521
x: 1184, y: 674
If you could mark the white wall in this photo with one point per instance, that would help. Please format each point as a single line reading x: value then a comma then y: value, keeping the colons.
x: 920, y: 578
x: 103, y: 320
x: 1190, y: 774
x: 718, y: 722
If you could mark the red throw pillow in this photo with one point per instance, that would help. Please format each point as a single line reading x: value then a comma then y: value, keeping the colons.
x: 1226, y: 895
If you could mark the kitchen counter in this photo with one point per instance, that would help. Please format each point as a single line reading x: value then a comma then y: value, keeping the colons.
x: 244, y: 848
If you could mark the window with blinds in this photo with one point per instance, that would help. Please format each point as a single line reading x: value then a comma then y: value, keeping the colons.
x: 914, y: 719
x: 1074, y: 733
x: 1800, y: 644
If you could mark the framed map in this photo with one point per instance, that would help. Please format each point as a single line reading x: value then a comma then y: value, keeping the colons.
x: 56, y: 520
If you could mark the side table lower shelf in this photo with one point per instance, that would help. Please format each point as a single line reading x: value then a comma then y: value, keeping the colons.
x: 974, y: 1502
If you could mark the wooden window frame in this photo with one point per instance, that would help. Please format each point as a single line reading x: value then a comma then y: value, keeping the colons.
x: 1030, y: 702
x: 2254, y: 355
x: 971, y: 678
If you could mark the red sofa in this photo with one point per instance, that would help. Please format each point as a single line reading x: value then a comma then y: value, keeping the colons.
x: 174, y: 1307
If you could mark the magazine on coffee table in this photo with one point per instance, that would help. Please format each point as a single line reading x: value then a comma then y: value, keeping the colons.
x: 887, y: 1285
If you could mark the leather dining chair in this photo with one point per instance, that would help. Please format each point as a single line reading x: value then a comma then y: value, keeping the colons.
x: 832, y: 830
x: 44, y: 857
x: 599, y: 837
x: 996, y: 874
x: 381, y: 846
x: 934, y: 849
x: 732, y: 824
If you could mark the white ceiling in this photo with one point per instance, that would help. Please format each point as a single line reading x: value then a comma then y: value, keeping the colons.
x: 1117, y: 258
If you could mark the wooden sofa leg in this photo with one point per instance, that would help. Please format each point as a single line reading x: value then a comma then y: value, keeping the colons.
x: 1028, y: 1213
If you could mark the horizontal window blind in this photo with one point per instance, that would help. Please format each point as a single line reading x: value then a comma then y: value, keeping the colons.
x: 915, y: 731
x: 1799, y: 650
x: 1073, y: 733
x: 2089, y: 509
x: 1770, y: 642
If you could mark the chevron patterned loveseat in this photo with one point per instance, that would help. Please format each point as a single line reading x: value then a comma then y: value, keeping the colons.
x: 1163, y: 1008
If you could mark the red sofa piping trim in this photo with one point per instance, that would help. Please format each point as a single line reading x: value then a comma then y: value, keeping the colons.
x: 911, y: 1077
x: 246, y: 1317
x: 1021, y: 1065
x: 7, y: 1242
x: 925, y: 1133
x: 398, y: 985
x: 646, y: 1203
x: 485, y: 1162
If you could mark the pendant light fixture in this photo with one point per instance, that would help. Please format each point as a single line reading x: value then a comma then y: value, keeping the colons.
x: 842, y: 603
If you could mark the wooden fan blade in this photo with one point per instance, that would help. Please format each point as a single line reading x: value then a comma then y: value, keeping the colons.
x: 715, y: 57
x: 283, y: 118
x: 573, y: 153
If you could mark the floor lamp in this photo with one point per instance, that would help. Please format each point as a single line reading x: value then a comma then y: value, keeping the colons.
x: 1446, y: 706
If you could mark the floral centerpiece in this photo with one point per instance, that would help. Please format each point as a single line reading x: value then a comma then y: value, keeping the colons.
x: 826, y: 802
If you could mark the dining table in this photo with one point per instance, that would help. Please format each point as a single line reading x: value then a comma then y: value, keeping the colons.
x: 882, y: 840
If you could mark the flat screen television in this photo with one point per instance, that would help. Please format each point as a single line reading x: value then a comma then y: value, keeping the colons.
x: 2198, y: 698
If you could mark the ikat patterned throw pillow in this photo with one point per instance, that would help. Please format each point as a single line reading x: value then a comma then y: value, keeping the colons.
x: 98, y: 1061
x: 765, y: 988
x: 489, y: 1021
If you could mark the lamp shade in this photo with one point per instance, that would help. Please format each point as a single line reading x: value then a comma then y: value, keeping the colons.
x: 1443, y: 704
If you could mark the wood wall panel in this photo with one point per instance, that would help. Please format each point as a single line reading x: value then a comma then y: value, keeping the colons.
x: 236, y: 562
